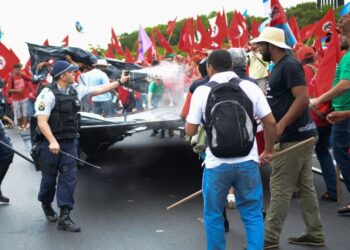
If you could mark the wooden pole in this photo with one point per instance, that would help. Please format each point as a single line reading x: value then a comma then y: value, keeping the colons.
x: 165, y: 51
x: 337, y: 178
x: 192, y: 196
x: 283, y: 152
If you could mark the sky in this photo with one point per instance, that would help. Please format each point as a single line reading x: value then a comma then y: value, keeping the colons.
x: 34, y: 21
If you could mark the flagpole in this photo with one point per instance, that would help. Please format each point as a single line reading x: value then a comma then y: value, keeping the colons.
x: 168, y: 42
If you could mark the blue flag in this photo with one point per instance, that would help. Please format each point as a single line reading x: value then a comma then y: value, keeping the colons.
x: 345, y: 9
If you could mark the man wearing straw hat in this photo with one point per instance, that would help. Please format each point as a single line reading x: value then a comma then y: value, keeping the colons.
x: 288, y: 99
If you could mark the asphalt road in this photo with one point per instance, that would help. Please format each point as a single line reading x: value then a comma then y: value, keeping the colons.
x: 123, y: 206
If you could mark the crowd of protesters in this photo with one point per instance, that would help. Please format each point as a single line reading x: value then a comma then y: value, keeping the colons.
x: 288, y: 87
x: 281, y: 100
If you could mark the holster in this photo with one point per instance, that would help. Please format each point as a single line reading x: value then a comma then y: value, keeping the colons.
x: 34, y: 153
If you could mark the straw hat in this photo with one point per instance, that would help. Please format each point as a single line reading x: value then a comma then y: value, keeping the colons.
x: 272, y: 35
x: 101, y: 62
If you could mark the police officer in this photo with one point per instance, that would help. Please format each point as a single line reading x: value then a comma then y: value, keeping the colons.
x: 57, y: 109
x: 6, y: 154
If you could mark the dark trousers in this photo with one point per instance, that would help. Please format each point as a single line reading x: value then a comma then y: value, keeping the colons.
x: 61, y: 166
x: 6, y: 155
x: 341, y: 145
x: 325, y: 159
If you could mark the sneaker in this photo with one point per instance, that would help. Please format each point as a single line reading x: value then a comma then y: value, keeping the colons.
x: 328, y: 197
x: 304, y: 239
x: 231, y: 204
x: 50, y: 214
x: 4, y: 199
x: 270, y: 245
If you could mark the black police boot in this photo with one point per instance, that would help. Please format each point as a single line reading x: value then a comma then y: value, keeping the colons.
x: 162, y: 134
x: 65, y: 222
x: 50, y: 214
x: 4, y: 199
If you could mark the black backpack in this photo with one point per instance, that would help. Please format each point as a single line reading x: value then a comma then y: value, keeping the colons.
x: 230, y: 123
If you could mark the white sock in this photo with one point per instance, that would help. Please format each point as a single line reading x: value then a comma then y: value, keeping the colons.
x: 231, y: 197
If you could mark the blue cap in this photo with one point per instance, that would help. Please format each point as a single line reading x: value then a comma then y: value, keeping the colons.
x: 59, y: 67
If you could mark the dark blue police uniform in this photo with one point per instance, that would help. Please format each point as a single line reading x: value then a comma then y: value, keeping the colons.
x: 64, y: 124
x: 6, y: 154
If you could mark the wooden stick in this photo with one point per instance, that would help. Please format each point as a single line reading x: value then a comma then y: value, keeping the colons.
x: 283, y: 152
x: 185, y: 199
x: 194, y: 195
x: 337, y: 175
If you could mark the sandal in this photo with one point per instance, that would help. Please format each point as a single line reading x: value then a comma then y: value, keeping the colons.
x: 327, y: 197
x: 344, y: 210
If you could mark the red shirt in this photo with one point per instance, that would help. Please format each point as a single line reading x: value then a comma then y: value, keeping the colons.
x: 18, y: 82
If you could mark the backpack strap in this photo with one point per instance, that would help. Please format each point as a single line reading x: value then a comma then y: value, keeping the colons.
x: 211, y: 84
x: 235, y: 80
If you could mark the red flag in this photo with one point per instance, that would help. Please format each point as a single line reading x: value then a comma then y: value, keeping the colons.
x: 171, y: 27
x: 219, y: 35
x: 7, y: 59
x: 163, y: 42
x: 152, y: 53
x: 318, y: 47
x: 238, y: 32
x: 306, y: 32
x: 109, y: 51
x: 294, y: 26
x: 326, y: 71
x: 245, y: 36
x: 277, y: 14
x: 204, y: 39
x: 116, y: 44
x: 46, y: 43
x: 186, y: 38
x: 255, y: 29
x: 65, y: 41
x: 128, y: 56
x: 94, y: 51
x: 325, y: 25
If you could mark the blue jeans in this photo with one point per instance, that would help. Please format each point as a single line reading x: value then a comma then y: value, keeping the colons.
x: 341, y: 144
x: 245, y: 178
x: 325, y: 159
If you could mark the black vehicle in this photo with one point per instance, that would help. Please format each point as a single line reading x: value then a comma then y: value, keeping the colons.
x: 98, y: 133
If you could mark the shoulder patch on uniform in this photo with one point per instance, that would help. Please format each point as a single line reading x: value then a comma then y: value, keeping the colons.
x: 41, y: 106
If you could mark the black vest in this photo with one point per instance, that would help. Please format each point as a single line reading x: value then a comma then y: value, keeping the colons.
x: 64, y: 119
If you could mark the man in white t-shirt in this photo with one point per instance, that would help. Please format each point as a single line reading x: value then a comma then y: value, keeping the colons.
x: 241, y: 172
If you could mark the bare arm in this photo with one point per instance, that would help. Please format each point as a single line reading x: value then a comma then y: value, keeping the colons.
x: 109, y: 87
x: 339, y: 89
x: 270, y: 132
x: 300, y: 102
x: 337, y: 116
x: 191, y: 129
x: 149, y: 96
x: 46, y: 131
